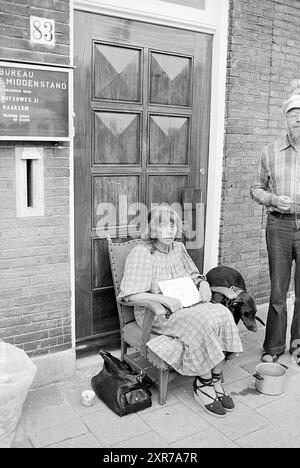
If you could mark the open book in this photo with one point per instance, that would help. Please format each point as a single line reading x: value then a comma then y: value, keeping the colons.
x: 183, y: 289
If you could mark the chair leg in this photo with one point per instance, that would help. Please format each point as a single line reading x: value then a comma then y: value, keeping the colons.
x: 124, y: 346
x: 163, y: 378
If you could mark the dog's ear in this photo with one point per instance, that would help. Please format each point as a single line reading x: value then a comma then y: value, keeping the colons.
x: 245, y: 298
x: 238, y: 301
x: 217, y: 297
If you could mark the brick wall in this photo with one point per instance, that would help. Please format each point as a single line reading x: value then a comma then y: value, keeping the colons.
x: 35, y: 309
x: 15, y: 34
x: 262, y: 71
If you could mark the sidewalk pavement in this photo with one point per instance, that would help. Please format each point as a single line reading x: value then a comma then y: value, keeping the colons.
x: 53, y: 416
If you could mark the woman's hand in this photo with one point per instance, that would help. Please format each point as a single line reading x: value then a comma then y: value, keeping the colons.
x: 172, y: 304
x: 205, y: 292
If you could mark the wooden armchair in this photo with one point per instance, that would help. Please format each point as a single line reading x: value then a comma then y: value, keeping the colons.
x: 132, y: 336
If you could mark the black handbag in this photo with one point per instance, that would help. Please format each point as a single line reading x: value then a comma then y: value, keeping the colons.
x: 122, y: 390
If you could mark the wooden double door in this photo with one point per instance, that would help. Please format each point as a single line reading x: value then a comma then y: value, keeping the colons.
x: 142, y: 107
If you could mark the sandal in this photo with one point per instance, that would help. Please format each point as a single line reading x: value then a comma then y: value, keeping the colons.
x: 225, y: 400
x: 293, y: 349
x: 215, y: 408
x: 295, y: 357
x: 268, y: 357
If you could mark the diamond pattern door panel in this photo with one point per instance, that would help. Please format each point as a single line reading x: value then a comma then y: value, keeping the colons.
x: 116, y: 138
x: 117, y: 73
x: 119, y: 192
x: 169, y: 140
x: 170, y: 80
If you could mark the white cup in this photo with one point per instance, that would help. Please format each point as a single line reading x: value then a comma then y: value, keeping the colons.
x: 88, y: 398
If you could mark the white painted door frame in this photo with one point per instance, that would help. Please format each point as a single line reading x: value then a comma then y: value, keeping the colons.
x: 213, y: 20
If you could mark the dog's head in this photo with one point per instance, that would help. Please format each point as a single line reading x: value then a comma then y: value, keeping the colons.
x: 244, y: 309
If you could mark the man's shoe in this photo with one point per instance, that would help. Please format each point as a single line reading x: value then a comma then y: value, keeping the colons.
x: 292, y: 350
x: 268, y: 357
x: 296, y: 357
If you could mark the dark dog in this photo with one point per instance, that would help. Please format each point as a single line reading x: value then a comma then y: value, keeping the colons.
x: 231, y: 292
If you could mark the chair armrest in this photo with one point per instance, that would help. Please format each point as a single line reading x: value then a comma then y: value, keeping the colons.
x: 152, y: 308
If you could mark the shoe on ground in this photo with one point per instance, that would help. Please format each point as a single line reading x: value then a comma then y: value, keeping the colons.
x: 201, y: 387
x: 223, y: 397
x: 292, y: 350
x: 296, y: 357
x: 226, y: 401
x: 268, y: 357
x: 214, y: 409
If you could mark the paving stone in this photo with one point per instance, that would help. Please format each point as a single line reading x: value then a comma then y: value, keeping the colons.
x: 244, y: 391
x: 21, y: 439
x: 250, y: 354
x: 72, y: 389
x: 92, y: 363
x: 272, y: 436
x: 171, y: 400
x: 179, y: 380
x: 149, y: 440
x: 292, y: 385
x: 287, y: 359
x: 238, y: 423
x: 45, y: 397
x: 250, y: 367
x: 81, y: 378
x: 54, y: 434
x: 185, y: 395
x: 174, y: 422
x: 22, y: 444
x: 285, y: 412
x: 254, y: 339
x: 232, y: 372
x: 110, y: 429
x: 84, y: 441
x: 46, y: 407
x: 209, y: 438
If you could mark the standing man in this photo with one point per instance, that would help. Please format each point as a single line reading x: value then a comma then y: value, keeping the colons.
x: 277, y: 186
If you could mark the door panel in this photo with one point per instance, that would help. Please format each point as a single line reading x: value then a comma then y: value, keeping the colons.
x: 169, y: 140
x: 142, y: 103
x: 112, y: 190
x: 101, y: 268
x: 168, y: 188
x: 170, y: 79
x: 105, y: 320
x: 117, y: 138
x: 117, y: 73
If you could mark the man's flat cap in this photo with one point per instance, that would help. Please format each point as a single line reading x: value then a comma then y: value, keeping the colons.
x: 291, y: 103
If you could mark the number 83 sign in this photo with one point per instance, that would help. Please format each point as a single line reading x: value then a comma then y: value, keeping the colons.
x: 42, y: 31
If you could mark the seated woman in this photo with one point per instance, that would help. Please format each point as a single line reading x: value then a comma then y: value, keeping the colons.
x: 192, y: 340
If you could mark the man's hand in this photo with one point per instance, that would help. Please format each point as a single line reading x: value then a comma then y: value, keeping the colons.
x: 205, y: 292
x: 283, y: 203
x: 171, y: 303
